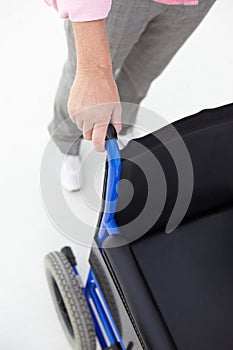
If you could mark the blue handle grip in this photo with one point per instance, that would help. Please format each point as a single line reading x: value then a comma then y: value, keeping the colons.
x: 108, y: 225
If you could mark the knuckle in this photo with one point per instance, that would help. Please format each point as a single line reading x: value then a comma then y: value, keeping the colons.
x: 73, y: 109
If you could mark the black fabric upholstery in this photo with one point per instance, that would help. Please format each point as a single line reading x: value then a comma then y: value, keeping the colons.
x: 178, y: 287
x: 208, y: 136
x: 190, y: 275
x: 136, y: 296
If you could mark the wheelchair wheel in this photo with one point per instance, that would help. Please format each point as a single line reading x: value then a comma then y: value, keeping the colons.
x: 70, y: 302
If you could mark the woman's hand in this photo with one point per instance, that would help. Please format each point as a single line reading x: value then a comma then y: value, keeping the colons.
x: 94, y: 99
x: 94, y: 102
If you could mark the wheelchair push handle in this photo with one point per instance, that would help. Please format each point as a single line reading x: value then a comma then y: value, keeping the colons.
x: 111, y: 133
x: 111, y: 144
x: 108, y: 225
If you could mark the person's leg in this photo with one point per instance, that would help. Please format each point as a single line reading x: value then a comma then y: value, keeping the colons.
x: 136, y: 15
x: 158, y: 44
x: 125, y: 24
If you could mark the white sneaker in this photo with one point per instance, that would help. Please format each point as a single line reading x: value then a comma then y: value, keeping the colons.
x: 70, y: 173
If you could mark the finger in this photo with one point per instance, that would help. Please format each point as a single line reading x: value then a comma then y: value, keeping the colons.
x: 116, y: 117
x: 79, y: 122
x: 72, y: 114
x: 98, y: 136
x: 87, y: 129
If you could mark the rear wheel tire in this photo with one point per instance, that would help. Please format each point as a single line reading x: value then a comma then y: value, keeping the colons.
x: 70, y: 302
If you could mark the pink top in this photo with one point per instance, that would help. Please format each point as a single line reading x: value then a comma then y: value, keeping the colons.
x: 89, y: 10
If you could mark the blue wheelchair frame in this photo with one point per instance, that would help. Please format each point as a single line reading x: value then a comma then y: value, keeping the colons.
x: 106, y: 330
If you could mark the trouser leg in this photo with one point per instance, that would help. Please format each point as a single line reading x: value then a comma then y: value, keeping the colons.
x: 135, y: 15
x: 157, y: 45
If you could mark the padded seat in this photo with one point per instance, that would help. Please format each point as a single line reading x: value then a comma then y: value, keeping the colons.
x: 179, y: 286
x: 190, y: 275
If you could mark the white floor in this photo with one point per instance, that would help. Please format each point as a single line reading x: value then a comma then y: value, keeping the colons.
x: 32, y: 54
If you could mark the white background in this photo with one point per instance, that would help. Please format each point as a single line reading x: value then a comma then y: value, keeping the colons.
x: 32, y: 53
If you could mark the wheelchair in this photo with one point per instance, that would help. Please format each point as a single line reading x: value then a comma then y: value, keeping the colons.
x: 166, y: 283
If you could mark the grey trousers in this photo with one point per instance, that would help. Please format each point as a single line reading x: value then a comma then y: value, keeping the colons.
x: 143, y: 38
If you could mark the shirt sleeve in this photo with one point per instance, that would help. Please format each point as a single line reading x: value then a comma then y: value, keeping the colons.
x: 81, y: 10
